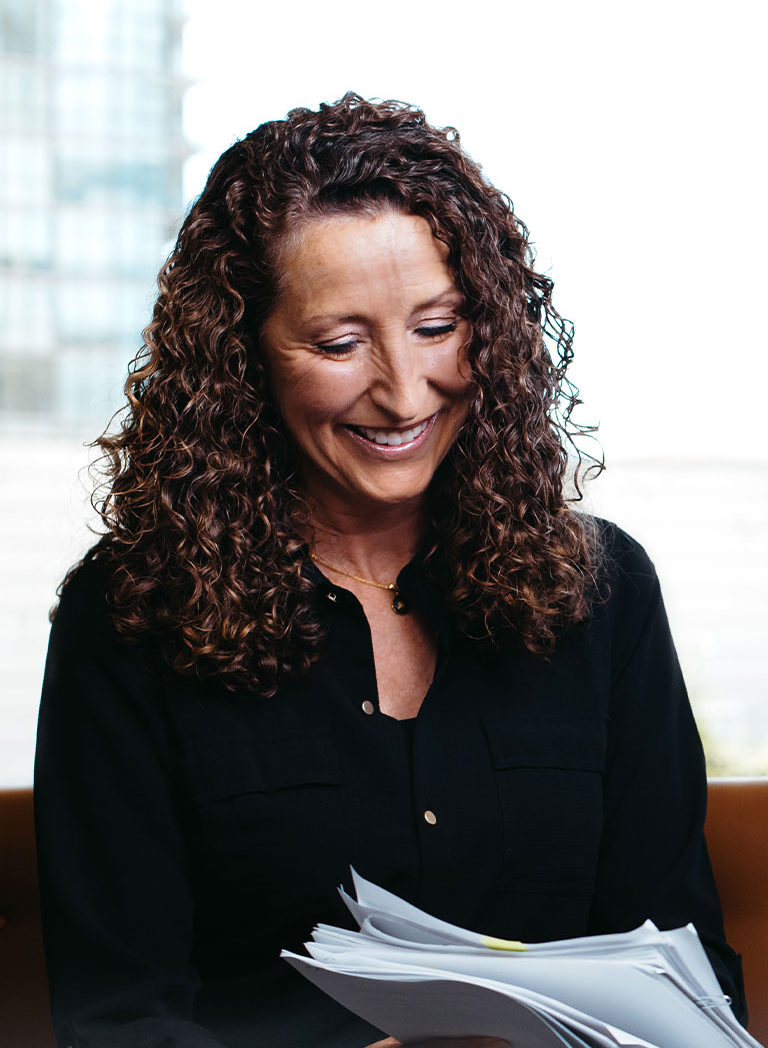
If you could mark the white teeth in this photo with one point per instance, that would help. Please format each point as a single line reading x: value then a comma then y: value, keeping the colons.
x: 393, y: 437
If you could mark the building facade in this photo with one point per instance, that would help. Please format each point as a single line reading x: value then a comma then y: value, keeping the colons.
x: 90, y: 194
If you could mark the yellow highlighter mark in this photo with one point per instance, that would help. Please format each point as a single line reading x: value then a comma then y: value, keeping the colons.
x: 504, y: 944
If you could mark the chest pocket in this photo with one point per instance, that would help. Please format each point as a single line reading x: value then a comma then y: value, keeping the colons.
x: 274, y: 798
x: 550, y: 783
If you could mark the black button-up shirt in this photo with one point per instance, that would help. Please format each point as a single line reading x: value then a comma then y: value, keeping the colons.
x: 186, y: 833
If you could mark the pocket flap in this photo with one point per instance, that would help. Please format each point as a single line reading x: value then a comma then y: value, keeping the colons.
x: 546, y: 744
x: 240, y: 766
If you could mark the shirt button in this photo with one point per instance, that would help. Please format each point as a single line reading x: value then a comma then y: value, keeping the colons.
x: 368, y: 707
x: 430, y: 817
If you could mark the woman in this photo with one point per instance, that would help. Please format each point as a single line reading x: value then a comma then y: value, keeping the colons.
x: 343, y: 613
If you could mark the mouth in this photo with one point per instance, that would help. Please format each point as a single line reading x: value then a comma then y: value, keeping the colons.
x: 386, y: 439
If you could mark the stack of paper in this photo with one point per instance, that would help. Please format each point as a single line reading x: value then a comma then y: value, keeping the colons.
x: 415, y: 976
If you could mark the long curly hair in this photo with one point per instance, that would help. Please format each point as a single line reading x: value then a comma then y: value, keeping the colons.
x: 206, y: 526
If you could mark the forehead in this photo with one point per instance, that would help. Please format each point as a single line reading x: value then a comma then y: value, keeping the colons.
x: 363, y: 253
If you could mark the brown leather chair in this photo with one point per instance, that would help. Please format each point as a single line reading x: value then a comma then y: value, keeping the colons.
x: 736, y: 833
x: 737, y: 837
x: 25, y: 1020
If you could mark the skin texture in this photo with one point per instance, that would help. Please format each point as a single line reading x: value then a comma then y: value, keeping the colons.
x: 368, y: 332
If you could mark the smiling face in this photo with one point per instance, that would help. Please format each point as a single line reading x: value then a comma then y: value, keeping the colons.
x: 365, y: 352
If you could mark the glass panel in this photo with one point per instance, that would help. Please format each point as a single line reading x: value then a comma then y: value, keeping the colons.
x: 84, y: 312
x: 21, y: 27
x: 135, y: 238
x: 113, y: 312
x: 22, y: 96
x: 83, y: 242
x: 124, y: 33
x: 25, y: 240
x: 109, y: 241
x: 26, y: 384
x: 81, y: 103
x: 102, y: 103
x: 24, y: 307
x: 80, y: 29
x: 94, y: 175
x: 89, y: 384
x: 24, y: 170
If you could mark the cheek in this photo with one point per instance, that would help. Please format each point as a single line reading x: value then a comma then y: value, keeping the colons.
x: 452, y: 372
x: 315, y: 394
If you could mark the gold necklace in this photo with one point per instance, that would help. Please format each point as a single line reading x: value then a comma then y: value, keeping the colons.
x: 399, y: 606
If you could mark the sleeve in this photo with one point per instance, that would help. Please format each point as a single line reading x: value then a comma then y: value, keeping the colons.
x: 115, y: 890
x: 654, y: 860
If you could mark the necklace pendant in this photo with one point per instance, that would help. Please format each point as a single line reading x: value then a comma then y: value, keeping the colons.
x: 399, y: 606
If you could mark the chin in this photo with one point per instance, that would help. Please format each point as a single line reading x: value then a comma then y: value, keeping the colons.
x: 394, y: 496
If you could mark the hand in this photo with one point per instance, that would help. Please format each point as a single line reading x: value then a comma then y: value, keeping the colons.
x: 444, y: 1042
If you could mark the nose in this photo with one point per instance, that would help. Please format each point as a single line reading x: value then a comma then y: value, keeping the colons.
x: 398, y: 381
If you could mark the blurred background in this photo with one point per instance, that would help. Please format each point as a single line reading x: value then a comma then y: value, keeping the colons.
x: 631, y: 139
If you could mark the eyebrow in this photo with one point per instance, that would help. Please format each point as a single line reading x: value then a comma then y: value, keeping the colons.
x: 346, y: 318
x: 450, y: 297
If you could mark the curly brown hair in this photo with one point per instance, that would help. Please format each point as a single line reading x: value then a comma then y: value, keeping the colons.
x: 206, y: 540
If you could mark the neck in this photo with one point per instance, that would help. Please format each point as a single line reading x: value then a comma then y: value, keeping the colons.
x: 374, y: 545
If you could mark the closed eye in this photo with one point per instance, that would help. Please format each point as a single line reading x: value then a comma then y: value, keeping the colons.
x: 337, y: 349
x: 435, y: 330
x: 342, y: 349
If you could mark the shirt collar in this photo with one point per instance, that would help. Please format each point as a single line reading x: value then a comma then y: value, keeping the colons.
x: 423, y: 593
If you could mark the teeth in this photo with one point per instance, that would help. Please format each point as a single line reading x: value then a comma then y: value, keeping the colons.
x: 394, y: 438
